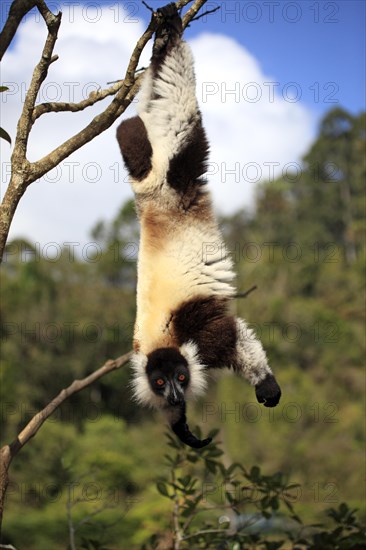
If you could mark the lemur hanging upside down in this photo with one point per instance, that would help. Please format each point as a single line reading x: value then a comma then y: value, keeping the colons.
x: 183, y: 327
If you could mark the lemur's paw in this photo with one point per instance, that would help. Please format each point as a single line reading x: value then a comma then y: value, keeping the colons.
x: 168, y: 11
x: 169, y: 30
x: 268, y: 391
x: 171, y: 16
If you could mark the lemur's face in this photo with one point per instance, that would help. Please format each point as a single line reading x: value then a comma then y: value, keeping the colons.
x: 168, y: 375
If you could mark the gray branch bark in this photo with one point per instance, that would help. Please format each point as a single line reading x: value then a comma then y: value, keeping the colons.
x: 23, y: 173
x: 8, y: 452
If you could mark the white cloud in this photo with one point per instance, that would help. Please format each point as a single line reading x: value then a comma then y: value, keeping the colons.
x: 91, y: 185
x: 256, y: 130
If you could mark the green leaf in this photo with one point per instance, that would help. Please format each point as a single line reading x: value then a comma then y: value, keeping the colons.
x: 162, y: 488
x: 184, y: 480
x: 192, y: 458
x: 5, y: 135
x: 3, y: 88
x: 233, y: 467
x: 230, y: 497
x: 213, y: 433
x: 216, y: 452
x: 274, y: 504
x: 190, y: 505
x: 211, y: 466
x: 172, y: 440
x: 254, y: 473
x: 296, y: 518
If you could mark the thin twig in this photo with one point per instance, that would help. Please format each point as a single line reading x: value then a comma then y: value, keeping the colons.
x: 176, y: 510
x: 205, y: 13
x: 245, y: 294
x: 69, y: 505
x: 60, y: 106
x: 192, y: 12
x: 207, y: 532
x: 24, y: 173
x: 147, y: 6
x: 18, y: 9
x: 77, y: 385
x: 39, y: 75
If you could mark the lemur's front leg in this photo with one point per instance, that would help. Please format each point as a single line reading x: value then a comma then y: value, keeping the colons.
x: 251, y: 362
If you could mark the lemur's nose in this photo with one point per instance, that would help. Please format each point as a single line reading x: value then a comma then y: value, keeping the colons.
x: 174, y: 399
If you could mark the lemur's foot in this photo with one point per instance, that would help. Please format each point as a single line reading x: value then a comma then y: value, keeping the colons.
x: 168, y: 11
x: 170, y: 29
x: 268, y: 391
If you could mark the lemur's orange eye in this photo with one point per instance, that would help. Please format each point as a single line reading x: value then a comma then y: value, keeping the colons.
x: 160, y: 382
x: 181, y: 378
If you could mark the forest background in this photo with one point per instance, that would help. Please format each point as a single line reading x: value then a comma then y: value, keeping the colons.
x: 97, y: 473
x: 99, y: 457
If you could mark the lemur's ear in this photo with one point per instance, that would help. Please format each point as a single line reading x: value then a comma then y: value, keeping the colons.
x: 181, y: 429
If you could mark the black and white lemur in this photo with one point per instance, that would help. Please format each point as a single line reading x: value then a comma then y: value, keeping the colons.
x: 183, y: 327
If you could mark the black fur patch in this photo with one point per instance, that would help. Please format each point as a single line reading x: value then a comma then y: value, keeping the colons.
x: 181, y: 430
x: 188, y: 166
x: 268, y: 391
x: 135, y: 147
x: 206, y: 322
x: 165, y: 359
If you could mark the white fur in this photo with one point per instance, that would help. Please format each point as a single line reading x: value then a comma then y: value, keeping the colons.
x: 197, y: 371
x: 168, y: 119
x: 175, y: 270
x: 140, y: 385
x: 251, y: 357
x: 175, y: 274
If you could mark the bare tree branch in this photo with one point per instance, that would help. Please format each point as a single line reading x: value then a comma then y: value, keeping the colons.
x: 205, y: 13
x: 18, y: 10
x: 60, y: 106
x: 245, y: 294
x: 23, y: 172
x: 36, y: 422
x: 8, y: 452
x: 192, y: 12
x: 147, y: 6
x: 39, y: 74
x: 19, y: 179
x: 99, y: 124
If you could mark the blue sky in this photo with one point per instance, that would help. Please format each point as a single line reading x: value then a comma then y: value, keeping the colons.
x: 312, y: 48
x: 318, y: 44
